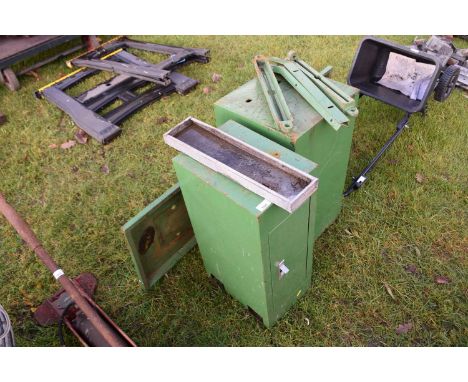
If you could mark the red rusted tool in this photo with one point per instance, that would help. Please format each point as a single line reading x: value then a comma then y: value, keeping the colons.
x: 86, y: 320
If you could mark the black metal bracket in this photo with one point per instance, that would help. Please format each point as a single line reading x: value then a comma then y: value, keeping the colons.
x: 135, y: 74
x: 359, y: 180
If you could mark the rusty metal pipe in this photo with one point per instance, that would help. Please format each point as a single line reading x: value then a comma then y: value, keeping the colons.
x: 30, y: 238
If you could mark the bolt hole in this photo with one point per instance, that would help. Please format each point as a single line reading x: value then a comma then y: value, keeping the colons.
x: 248, y: 100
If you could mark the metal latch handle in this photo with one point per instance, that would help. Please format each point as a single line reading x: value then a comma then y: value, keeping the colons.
x: 283, y: 269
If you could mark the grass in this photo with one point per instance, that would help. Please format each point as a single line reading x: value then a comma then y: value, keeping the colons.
x: 391, y: 223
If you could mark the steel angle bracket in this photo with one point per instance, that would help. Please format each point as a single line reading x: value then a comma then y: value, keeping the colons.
x: 294, y: 75
x: 342, y: 100
x: 274, y: 96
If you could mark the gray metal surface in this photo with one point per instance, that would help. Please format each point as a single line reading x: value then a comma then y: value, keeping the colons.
x: 91, y: 122
x: 14, y: 49
x: 242, y: 161
x: 446, y: 53
x: 146, y: 73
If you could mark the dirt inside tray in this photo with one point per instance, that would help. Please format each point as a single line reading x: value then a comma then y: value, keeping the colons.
x: 244, y: 162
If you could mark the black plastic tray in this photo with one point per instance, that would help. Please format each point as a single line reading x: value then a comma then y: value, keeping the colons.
x: 369, y: 66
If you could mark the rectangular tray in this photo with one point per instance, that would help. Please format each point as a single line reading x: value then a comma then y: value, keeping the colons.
x: 263, y: 174
x: 370, y: 63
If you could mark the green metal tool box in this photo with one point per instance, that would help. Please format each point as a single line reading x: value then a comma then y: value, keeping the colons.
x: 260, y: 253
x: 310, y: 137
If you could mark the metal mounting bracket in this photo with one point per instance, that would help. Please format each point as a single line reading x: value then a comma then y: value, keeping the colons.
x: 274, y: 96
x: 340, y: 98
x: 295, y: 76
x: 334, y: 105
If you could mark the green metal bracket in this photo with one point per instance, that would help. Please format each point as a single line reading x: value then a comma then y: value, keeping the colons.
x: 333, y: 104
x: 342, y: 100
x: 326, y: 71
x: 273, y: 94
x: 293, y: 74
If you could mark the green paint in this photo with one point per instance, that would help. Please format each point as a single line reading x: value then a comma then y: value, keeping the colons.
x: 311, y: 137
x: 169, y: 222
x: 319, y: 101
x: 158, y: 236
x: 273, y: 95
x: 240, y: 245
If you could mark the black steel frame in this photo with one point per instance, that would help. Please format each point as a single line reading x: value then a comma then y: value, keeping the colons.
x: 84, y: 108
x: 136, y: 67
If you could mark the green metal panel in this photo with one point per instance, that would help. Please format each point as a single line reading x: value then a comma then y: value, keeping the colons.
x: 159, y: 236
x: 287, y: 156
x: 310, y: 137
x: 241, y: 245
x: 268, y: 146
x: 293, y: 252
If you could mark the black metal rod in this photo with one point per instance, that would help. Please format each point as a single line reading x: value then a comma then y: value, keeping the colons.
x: 359, y: 180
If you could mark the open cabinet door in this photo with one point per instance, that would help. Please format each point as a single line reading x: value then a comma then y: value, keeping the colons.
x: 159, y: 236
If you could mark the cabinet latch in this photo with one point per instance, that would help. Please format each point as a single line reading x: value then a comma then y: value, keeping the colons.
x: 283, y: 269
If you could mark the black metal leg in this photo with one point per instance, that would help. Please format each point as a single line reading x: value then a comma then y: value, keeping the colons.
x: 359, y: 180
x: 98, y: 127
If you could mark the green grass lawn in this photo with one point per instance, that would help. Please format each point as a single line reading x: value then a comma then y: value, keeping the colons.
x: 374, y: 269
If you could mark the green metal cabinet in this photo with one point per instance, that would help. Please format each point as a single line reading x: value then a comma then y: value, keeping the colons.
x: 262, y: 256
x: 311, y: 137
